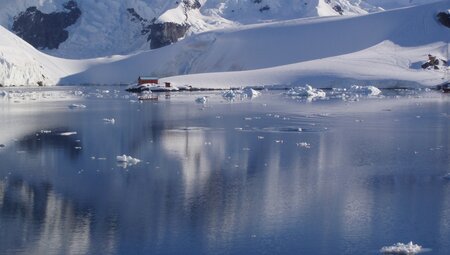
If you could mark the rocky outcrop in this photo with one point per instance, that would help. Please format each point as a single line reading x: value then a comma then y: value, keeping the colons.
x: 444, y: 18
x: 46, y: 31
x: 135, y: 17
x: 192, y: 4
x: 163, y: 34
x: 338, y: 9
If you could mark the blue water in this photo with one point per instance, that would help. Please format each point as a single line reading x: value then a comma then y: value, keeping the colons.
x: 225, y: 177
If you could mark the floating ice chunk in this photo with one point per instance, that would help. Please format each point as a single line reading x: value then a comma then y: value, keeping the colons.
x: 304, y: 145
x: 3, y: 93
x: 309, y: 92
x: 127, y: 159
x: 45, y: 131
x: 250, y: 93
x: 447, y: 176
x: 401, y: 248
x: 75, y: 106
x: 229, y: 94
x: 109, y: 121
x: 67, y: 133
x: 365, y: 90
x: 201, y: 100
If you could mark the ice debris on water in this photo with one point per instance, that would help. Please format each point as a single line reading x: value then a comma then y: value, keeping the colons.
x: 447, y: 176
x: 229, y: 94
x: 125, y: 161
x: 77, y: 106
x: 304, y: 145
x: 109, y: 121
x: 401, y: 248
x: 240, y: 94
x: 67, y: 133
x: 365, y: 90
x: 307, y: 91
x: 201, y: 100
x: 250, y: 93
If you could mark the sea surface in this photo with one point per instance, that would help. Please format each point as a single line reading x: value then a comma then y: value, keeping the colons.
x: 274, y: 174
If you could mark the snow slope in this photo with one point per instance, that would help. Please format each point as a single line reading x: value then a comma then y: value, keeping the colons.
x: 329, y: 51
x: 20, y: 63
x: 106, y: 27
x: 385, y: 46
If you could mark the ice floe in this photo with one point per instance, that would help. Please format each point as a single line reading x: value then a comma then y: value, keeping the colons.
x: 401, y: 248
x: 125, y: 161
x: 109, y: 121
x: 240, y: 94
x: 77, y: 106
x: 365, y: 90
x: 67, y: 133
x: 201, y: 100
x: 447, y: 176
x: 251, y: 93
x: 308, y: 92
x: 304, y: 145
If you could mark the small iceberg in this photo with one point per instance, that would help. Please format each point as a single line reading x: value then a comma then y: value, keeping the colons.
x: 67, y: 133
x: 309, y: 92
x: 77, y: 106
x: 401, y: 248
x: 447, y: 176
x: 241, y: 94
x: 365, y: 90
x: 201, y: 100
x: 250, y: 93
x: 109, y: 121
x: 304, y: 145
x: 125, y: 161
x: 229, y: 94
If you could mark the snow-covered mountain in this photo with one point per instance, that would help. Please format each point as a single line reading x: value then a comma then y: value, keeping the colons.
x: 85, y: 29
x: 384, y: 46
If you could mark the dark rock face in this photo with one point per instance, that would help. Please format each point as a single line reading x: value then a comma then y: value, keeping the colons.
x: 135, y: 17
x: 46, y: 30
x: 264, y: 8
x: 163, y: 34
x: 192, y: 4
x: 444, y: 18
x: 338, y: 9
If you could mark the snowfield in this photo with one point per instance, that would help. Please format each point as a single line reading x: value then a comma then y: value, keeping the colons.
x: 383, y: 49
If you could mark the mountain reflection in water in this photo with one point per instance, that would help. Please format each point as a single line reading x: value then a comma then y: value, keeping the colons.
x: 228, y: 179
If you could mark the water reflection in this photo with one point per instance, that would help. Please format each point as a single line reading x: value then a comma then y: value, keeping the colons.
x: 226, y: 179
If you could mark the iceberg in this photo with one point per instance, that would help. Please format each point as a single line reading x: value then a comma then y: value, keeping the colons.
x: 401, y: 248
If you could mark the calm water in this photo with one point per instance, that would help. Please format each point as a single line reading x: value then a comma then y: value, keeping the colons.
x: 223, y: 178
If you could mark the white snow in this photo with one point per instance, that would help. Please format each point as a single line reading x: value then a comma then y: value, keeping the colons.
x: 110, y: 26
x: 383, y: 49
x: 401, y: 248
